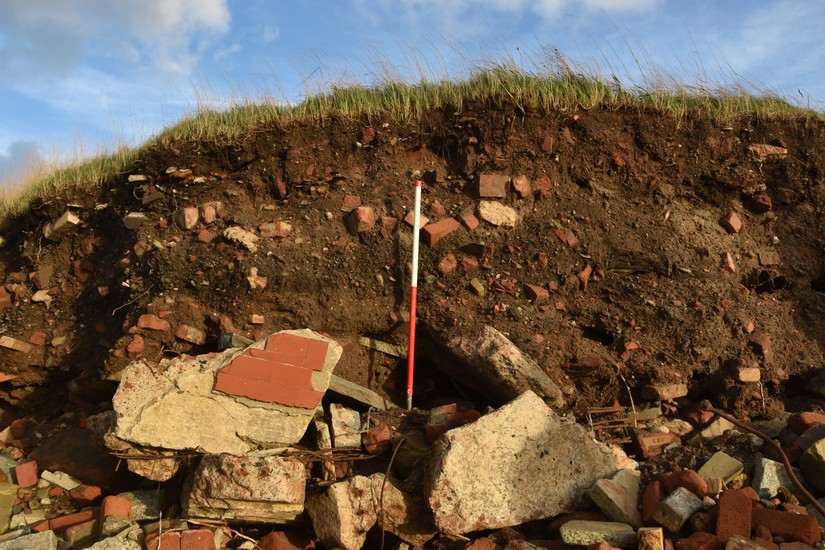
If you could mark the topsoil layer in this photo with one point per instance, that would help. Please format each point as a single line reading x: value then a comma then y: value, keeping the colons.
x: 638, y: 196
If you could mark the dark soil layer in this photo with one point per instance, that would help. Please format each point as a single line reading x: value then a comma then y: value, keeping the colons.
x: 641, y: 191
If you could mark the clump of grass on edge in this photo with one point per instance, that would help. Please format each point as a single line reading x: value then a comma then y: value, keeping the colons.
x: 546, y: 82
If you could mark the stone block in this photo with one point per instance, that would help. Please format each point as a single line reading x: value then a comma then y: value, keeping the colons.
x: 769, y: 476
x: 618, y: 497
x: 54, y: 231
x: 490, y: 363
x: 497, y: 214
x: 47, y: 540
x: 536, y: 465
x: 664, y: 392
x: 812, y: 464
x: 674, y: 511
x: 345, y: 425
x: 585, y: 533
x: 401, y: 513
x: 233, y: 488
x: 342, y: 515
x: 651, y: 538
x: 721, y: 466
x: 133, y: 220
x: 14, y: 344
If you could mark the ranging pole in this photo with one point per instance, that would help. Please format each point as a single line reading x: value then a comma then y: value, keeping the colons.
x: 413, y: 294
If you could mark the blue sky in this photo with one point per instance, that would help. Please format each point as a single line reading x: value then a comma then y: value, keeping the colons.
x: 83, y: 74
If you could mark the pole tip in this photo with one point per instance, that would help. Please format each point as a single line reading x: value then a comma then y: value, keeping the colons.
x: 409, y: 402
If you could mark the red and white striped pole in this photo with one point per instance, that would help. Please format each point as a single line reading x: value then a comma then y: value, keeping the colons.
x: 413, y: 294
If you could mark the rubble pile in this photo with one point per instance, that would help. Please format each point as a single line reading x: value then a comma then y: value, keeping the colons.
x: 252, y: 458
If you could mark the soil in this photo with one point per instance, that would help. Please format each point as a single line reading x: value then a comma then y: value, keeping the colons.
x: 636, y: 195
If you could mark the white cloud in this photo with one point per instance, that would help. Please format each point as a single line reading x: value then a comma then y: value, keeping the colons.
x: 47, y: 39
x: 269, y: 34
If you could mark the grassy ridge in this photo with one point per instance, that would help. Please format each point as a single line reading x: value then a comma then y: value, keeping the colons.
x: 552, y: 86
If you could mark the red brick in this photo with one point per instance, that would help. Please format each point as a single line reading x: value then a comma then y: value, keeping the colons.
x: 654, y: 494
x: 446, y: 418
x: 688, y: 479
x: 61, y: 523
x: 168, y: 540
x: 26, y: 474
x: 191, y: 334
x: 278, y: 229
x: 799, y: 422
x: 5, y: 298
x: 761, y: 343
x: 762, y: 536
x: 761, y: 204
x: 377, y: 438
x: 268, y: 392
x: 275, y: 357
x: 350, y: 203
x: 468, y: 263
x: 137, y: 345
x: 205, y: 236
x: 492, y: 186
x: 434, y: 232
x: 522, y: 187
x: 115, y: 506
x: 409, y: 219
x: 651, y: 443
x: 536, y: 294
x: 153, y: 322
x: 38, y: 338
x: 288, y: 344
x: 360, y: 220
x: 731, y: 222
x: 787, y: 525
x: 85, y: 495
x: 286, y: 540
x: 699, y: 541
x: 468, y: 220
x: 734, y: 516
x: 316, y: 355
x: 389, y: 223
x: 447, y: 265
x: 197, y: 539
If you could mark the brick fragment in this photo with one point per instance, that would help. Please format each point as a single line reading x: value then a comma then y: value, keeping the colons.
x: 799, y: 422
x: 447, y: 265
x: 191, y: 334
x: 153, y: 322
x: 38, y: 338
x: 731, y: 222
x: 700, y: 540
x: 688, y: 479
x: 787, y: 525
x: 188, y: 217
x: 84, y: 495
x: 734, y: 516
x: 5, y: 298
x: 350, y: 203
x: 168, y: 540
x: 26, y: 474
x: 761, y: 204
x: 360, y: 220
x: 536, y: 294
x: 522, y: 187
x: 651, y: 443
x: 61, y: 523
x: 377, y: 438
x: 492, y: 186
x: 761, y: 342
x: 542, y: 188
x: 204, y: 236
x: 197, y: 539
x: 114, y: 505
x: 409, y: 219
x: 277, y: 229
x: 434, y: 232
x: 664, y: 392
x: 468, y: 220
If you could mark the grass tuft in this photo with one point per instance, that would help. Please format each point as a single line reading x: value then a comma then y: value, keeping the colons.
x: 549, y: 82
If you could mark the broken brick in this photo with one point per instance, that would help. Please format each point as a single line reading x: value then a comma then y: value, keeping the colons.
x: 468, y: 263
x: 653, y: 494
x: 492, y: 186
x: 360, y: 220
x: 377, y: 438
x: 168, y: 540
x: 734, y: 516
x: 688, y: 479
x: 731, y: 222
x: 761, y: 342
x: 700, y: 540
x: 277, y: 229
x: 188, y: 217
x: 761, y: 204
x: 409, y: 219
x: 542, y: 187
x: 584, y: 276
x: 85, y: 495
x: 38, y: 338
x: 197, y: 539
x: 26, y: 474
x: 522, y: 187
x: 137, y: 345
x: 799, y: 422
x: 536, y: 294
x: 153, y: 322
x: 728, y: 264
x: 350, y: 203
x: 468, y: 220
x: 447, y: 264
x: 787, y: 525
x: 205, y: 236
x: 434, y: 232
x: 114, y: 505
x: 191, y: 335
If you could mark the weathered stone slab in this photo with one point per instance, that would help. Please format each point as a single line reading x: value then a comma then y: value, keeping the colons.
x: 249, y: 488
x: 492, y: 364
x: 184, y: 404
x: 46, y: 540
x: 618, y: 497
x: 585, y: 532
x: 342, y: 515
x: 535, y: 465
x: 769, y: 476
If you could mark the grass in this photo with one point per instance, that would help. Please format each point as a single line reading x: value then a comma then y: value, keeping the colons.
x: 549, y: 83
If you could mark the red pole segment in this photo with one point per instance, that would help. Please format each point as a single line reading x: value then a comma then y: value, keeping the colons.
x: 413, y: 294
